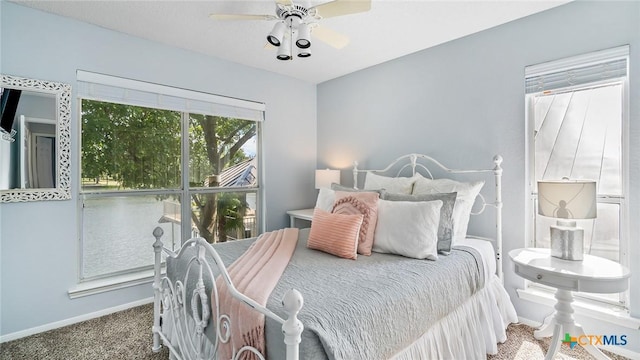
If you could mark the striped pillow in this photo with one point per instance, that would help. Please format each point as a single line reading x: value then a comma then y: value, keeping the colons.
x: 336, y: 234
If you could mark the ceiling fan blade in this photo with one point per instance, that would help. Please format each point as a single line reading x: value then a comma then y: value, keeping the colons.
x: 342, y: 7
x: 285, y: 2
x: 241, y: 17
x: 330, y: 37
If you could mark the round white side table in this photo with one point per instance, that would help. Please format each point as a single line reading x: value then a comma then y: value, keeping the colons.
x: 593, y: 274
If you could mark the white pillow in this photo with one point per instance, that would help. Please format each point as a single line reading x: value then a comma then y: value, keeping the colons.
x: 398, y: 185
x: 408, y: 228
x: 467, y: 192
x: 325, y: 200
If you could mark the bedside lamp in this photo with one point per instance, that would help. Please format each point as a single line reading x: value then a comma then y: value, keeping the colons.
x: 324, y: 178
x: 567, y: 201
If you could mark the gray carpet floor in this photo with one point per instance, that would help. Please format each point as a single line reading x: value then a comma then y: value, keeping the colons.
x: 127, y: 335
x: 521, y: 345
x: 122, y: 335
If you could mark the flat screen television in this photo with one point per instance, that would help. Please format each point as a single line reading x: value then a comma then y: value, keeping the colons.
x: 8, y: 105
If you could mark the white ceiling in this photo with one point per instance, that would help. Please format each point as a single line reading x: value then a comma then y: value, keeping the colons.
x: 391, y: 29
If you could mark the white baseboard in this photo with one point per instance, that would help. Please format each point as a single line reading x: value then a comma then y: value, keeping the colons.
x: 531, y: 323
x: 74, y: 320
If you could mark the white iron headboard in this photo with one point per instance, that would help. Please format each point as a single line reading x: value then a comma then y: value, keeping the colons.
x: 417, y: 163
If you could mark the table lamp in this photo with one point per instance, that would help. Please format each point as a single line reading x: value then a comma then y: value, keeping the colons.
x: 567, y: 201
x: 324, y: 178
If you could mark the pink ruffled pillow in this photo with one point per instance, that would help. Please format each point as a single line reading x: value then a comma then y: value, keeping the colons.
x: 336, y: 234
x: 362, y: 203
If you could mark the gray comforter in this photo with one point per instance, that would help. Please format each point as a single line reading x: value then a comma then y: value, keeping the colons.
x: 369, y: 308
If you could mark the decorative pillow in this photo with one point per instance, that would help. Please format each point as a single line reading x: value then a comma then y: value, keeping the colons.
x: 365, y: 204
x: 325, y: 200
x: 336, y: 234
x: 445, y: 227
x: 467, y: 192
x: 408, y: 228
x: 399, y: 185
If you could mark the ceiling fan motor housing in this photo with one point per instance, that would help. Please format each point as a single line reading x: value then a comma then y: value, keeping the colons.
x: 286, y: 11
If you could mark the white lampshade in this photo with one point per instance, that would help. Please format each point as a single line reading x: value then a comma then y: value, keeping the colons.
x: 324, y: 178
x: 567, y: 199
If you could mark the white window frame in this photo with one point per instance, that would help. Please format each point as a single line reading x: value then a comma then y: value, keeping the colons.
x: 535, y: 84
x: 100, y: 87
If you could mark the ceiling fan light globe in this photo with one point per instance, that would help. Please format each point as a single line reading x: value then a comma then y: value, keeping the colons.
x: 276, y: 35
x: 284, y: 51
x: 304, y: 36
x: 304, y: 53
x: 273, y: 40
x: 303, y: 43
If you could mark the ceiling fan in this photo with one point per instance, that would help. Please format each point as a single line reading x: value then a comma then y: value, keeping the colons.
x: 299, y: 22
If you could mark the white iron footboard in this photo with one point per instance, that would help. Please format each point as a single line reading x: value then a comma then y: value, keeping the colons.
x: 186, y: 338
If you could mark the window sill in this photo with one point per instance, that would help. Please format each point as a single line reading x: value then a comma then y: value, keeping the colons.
x: 93, y: 287
x: 609, y: 313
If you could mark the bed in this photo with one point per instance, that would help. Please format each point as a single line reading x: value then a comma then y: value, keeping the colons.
x: 386, y: 271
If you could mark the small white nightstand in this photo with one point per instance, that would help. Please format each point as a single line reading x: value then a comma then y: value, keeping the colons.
x: 304, y: 214
x: 593, y: 274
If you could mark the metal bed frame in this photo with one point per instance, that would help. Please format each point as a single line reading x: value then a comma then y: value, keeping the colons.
x: 171, y: 307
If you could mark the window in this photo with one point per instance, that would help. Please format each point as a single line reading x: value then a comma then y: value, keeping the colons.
x: 153, y: 156
x: 577, y: 116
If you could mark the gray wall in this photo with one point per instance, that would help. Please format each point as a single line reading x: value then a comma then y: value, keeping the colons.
x: 39, y: 240
x: 463, y: 102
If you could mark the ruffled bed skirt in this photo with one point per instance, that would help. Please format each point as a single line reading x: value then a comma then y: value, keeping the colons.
x: 471, y: 331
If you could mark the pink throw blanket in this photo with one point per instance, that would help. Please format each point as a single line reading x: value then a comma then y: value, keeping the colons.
x: 254, y: 274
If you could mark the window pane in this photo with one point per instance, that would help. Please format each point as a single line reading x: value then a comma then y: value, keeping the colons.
x: 548, y: 127
x: 129, y: 147
x: 117, y: 232
x: 604, y: 239
x: 225, y: 216
x: 222, y: 151
x: 579, y: 136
